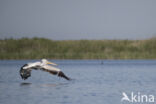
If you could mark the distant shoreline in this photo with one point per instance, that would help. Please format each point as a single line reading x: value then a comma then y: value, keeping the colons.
x: 37, y: 48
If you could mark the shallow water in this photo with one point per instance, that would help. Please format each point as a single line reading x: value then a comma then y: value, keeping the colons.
x: 94, y: 82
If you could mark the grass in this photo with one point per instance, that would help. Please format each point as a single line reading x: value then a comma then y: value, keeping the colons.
x: 37, y: 48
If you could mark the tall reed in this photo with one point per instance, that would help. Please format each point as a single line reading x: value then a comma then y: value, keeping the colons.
x: 37, y: 48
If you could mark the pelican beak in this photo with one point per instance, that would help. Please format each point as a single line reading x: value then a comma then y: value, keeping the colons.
x: 51, y: 63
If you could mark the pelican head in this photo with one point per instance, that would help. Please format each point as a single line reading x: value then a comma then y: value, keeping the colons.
x: 44, y: 61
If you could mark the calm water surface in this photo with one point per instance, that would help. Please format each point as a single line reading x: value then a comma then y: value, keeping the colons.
x: 94, y: 82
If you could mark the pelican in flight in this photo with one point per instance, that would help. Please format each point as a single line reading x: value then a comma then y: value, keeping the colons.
x: 43, y: 65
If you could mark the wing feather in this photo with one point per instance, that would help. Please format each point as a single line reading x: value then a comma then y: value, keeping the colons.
x: 54, y: 71
x: 50, y: 71
x: 26, y: 69
x: 25, y: 73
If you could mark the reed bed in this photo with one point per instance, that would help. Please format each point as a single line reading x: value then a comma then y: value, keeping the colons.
x: 37, y: 48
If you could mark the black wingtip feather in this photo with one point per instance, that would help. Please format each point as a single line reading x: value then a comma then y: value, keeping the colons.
x: 25, y: 73
x: 61, y: 74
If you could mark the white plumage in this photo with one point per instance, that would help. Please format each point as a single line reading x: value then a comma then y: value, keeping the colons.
x: 25, y: 71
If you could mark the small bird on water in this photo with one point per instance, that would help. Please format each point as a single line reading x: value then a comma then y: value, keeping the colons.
x: 43, y: 65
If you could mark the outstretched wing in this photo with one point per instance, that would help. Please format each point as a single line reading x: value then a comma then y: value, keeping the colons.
x: 54, y: 71
x: 25, y: 73
x: 25, y: 70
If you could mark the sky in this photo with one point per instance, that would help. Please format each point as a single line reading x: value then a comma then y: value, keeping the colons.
x: 78, y: 19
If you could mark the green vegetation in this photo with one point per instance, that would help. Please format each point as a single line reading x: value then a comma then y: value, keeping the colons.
x: 37, y: 48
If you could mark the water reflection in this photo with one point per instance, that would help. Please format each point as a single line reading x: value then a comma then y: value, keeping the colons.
x: 25, y: 84
x: 53, y: 84
x: 44, y: 85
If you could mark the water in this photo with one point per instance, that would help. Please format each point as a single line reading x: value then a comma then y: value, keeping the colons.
x: 94, y: 82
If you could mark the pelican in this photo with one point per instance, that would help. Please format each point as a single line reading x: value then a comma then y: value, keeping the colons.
x: 43, y: 65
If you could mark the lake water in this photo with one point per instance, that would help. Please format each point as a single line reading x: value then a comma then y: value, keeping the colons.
x: 94, y: 82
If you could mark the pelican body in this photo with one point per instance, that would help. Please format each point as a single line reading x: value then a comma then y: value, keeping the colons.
x: 43, y: 65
